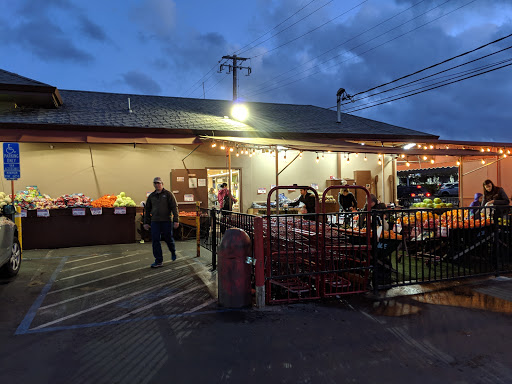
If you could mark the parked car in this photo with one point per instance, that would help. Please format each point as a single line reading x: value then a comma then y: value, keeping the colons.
x: 407, y: 191
x: 449, y: 189
x: 10, y: 250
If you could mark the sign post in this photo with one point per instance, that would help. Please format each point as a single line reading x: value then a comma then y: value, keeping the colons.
x: 11, y: 155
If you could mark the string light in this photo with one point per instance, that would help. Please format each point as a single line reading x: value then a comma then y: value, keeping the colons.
x: 380, y: 155
x: 488, y: 149
x: 482, y: 150
x: 504, y: 155
x: 501, y: 150
x: 214, y: 144
x: 300, y: 155
x: 317, y: 158
x: 483, y: 161
x: 380, y: 162
x: 408, y: 164
x: 431, y: 147
x: 246, y: 151
x: 231, y: 149
x: 223, y: 146
x: 284, y: 155
x: 432, y: 161
x: 237, y: 153
x: 419, y: 145
x: 458, y: 163
x: 508, y: 152
x: 348, y: 159
x: 357, y: 154
x: 402, y: 156
x: 425, y: 147
x: 424, y: 157
x: 365, y: 158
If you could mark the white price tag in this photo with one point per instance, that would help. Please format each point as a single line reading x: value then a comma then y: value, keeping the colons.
x: 120, y: 211
x: 23, y: 213
x: 78, y: 211
x: 96, y: 211
x: 43, y: 213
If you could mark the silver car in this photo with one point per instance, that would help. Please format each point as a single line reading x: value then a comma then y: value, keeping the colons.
x: 10, y: 250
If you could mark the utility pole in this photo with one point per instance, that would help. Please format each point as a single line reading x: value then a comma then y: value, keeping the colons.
x: 234, y: 68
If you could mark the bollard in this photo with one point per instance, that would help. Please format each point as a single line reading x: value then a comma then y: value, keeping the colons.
x: 234, y: 273
x: 17, y: 221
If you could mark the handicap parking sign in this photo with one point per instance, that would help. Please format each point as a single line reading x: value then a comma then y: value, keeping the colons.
x: 11, y: 154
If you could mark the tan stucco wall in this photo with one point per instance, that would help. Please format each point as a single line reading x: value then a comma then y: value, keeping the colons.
x: 99, y: 169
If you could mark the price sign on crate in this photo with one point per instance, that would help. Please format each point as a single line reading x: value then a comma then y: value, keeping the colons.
x: 78, y: 211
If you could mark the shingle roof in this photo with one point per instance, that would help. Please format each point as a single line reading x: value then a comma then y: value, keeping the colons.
x: 15, y: 79
x: 87, y: 110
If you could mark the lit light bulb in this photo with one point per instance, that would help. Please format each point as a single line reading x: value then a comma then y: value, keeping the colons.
x: 458, y: 163
x: 380, y: 155
x: 357, y: 154
x: 508, y: 152
x: 501, y: 150
x: 223, y: 146
x: 300, y: 155
x: 284, y: 155
x: 424, y: 157
x: 317, y: 159
x: 214, y: 144
x: 488, y: 149
x: 483, y: 161
x: 482, y: 150
x: 246, y: 151
x: 380, y: 162
x: 250, y: 154
x: 402, y: 156
x: 408, y: 164
x: 504, y: 155
x: 365, y: 158
x: 237, y: 154
x: 425, y: 147
x: 431, y: 147
x: 231, y: 149
x: 432, y: 161
x: 419, y: 145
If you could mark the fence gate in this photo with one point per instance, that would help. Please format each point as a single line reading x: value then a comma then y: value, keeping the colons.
x: 310, y: 256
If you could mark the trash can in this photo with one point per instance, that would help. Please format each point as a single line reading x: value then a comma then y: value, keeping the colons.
x: 234, y: 272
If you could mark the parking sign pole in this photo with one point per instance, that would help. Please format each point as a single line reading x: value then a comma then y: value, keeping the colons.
x: 12, y: 191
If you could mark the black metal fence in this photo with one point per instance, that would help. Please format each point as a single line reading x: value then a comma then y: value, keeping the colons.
x: 320, y: 255
x: 427, y: 245
x: 214, y: 223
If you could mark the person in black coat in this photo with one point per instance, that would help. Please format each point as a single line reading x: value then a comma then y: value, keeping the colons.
x: 309, y: 200
x: 494, y: 195
x: 347, y: 200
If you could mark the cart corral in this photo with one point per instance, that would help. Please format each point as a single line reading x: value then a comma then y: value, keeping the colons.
x: 332, y: 254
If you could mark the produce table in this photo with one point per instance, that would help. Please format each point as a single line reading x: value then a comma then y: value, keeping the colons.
x: 61, y: 229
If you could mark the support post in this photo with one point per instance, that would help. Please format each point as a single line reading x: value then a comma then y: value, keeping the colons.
x: 198, y: 230
x: 213, y: 214
x: 259, y: 269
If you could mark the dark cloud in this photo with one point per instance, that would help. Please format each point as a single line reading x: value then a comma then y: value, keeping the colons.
x: 363, y: 60
x: 48, y: 42
x: 142, y: 83
x: 92, y: 30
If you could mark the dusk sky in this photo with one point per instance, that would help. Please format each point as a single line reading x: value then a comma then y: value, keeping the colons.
x: 300, y: 52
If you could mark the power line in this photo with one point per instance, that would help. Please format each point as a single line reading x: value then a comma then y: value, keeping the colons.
x: 193, y: 88
x: 278, y: 25
x: 429, y: 89
x: 437, y: 64
x: 314, y: 29
x: 288, y: 27
x: 339, y: 45
x: 362, y: 53
x: 425, y: 77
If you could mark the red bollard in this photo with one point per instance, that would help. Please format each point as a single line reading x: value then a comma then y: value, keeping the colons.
x: 234, y: 273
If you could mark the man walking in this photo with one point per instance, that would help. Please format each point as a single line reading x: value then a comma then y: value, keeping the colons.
x: 160, y: 205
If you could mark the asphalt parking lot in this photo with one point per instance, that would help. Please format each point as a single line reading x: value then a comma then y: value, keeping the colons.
x: 101, y: 315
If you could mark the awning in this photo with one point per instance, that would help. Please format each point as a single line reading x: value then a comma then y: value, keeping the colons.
x: 57, y: 136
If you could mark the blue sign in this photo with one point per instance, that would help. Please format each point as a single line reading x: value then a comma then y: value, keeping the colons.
x: 11, y: 161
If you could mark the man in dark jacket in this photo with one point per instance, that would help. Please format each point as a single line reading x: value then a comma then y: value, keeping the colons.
x: 160, y: 205
x: 309, y: 200
x: 347, y: 200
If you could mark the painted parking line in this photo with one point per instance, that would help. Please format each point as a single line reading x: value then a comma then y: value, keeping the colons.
x: 97, y: 270
x: 112, y: 301
x: 205, y: 304
x: 89, y: 257
x: 29, y: 317
x: 138, y: 319
x: 98, y: 262
x: 106, y: 289
x: 164, y: 300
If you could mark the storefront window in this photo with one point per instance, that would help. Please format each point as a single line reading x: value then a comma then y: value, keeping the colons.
x: 217, y: 176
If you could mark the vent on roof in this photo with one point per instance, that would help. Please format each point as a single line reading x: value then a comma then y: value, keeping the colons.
x: 129, y: 106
